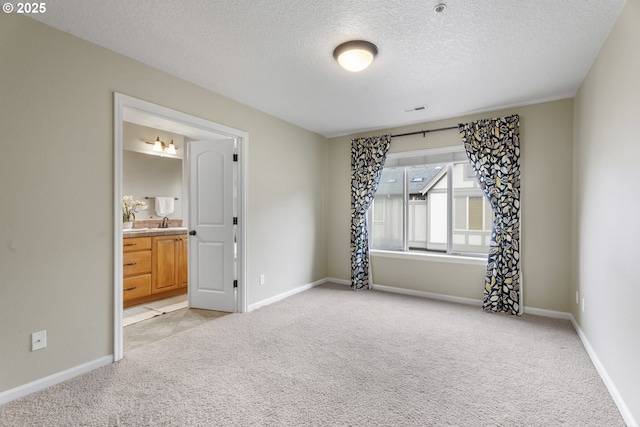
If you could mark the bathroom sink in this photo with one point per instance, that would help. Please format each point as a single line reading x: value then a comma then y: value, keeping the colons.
x: 166, y: 228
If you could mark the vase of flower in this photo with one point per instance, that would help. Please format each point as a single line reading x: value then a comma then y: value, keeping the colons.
x: 129, y: 209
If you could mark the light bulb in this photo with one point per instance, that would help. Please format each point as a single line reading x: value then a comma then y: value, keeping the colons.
x: 172, y: 148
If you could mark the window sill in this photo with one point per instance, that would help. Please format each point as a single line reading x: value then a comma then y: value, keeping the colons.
x: 453, y: 259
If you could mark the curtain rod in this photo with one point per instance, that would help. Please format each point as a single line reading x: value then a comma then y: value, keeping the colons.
x: 423, y: 132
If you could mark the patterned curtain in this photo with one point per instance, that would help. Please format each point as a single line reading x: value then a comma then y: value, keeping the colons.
x: 493, y: 148
x: 367, y: 161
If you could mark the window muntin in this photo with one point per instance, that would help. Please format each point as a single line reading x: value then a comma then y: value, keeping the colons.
x: 426, y: 204
x: 386, y: 229
x: 473, y: 233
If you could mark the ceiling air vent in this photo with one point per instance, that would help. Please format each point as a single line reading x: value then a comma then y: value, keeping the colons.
x: 418, y: 108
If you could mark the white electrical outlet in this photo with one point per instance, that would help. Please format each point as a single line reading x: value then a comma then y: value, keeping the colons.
x: 38, y: 340
x: 583, y: 305
x: 262, y: 279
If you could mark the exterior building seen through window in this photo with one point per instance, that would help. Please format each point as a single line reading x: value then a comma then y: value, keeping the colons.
x: 430, y: 201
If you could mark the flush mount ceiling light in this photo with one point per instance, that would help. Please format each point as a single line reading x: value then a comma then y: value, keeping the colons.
x: 355, y: 55
x: 161, y: 146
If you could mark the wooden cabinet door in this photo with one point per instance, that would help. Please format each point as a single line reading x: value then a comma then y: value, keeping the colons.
x: 182, y: 260
x: 163, y: 266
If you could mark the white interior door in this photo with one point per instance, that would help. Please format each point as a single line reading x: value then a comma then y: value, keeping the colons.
x: 211, y: 229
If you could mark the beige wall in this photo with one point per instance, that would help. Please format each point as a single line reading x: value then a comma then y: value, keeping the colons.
x: 607, y: 206
x: 56, y: 121
x: 56, y: 138
x: 546, y: 162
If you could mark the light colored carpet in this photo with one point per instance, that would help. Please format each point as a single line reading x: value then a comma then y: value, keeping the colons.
x: 331, y: 356
x: 138, y: 313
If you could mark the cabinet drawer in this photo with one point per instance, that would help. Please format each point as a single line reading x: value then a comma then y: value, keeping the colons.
x: 132, y: 244
x: 135, y: 287
x: 136, y: 263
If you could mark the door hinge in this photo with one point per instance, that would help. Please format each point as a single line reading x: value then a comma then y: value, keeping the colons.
x: 235, y: 157
x: 235, y: 283
x: 235, y: 220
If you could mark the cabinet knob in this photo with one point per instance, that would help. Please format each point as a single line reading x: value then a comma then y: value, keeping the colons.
x: 192, y: 233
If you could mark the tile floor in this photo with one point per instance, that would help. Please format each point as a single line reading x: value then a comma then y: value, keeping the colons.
x: 138, y: 313
x: 154, y: 329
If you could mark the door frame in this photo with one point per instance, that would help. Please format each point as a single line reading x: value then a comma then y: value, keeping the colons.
x: 122, y: 102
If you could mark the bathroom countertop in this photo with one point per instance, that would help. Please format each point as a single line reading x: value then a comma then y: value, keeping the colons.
x: 149, y: 232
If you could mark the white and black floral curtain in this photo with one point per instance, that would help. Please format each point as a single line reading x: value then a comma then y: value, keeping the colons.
x: 367, y: 161
x: 493, y: 148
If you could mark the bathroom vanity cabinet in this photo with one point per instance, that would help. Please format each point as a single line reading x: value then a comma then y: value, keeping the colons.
x: 168, y: 262
x: 136, y: 268
x: 154, y: 266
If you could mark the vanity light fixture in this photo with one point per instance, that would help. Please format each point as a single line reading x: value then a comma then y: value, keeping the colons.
x: 161, y: 146
x: 157, y: 146
x: 355, y: 55
x: 171, y: 149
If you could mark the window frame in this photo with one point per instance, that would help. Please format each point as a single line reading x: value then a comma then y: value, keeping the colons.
x: 449, y: 254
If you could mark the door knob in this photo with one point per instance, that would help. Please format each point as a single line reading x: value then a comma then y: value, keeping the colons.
x: 192, y: 233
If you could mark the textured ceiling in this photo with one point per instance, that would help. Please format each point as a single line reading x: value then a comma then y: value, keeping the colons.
x: 276, y: 55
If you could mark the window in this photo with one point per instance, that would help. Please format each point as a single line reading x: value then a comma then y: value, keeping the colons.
x: 429, y: 200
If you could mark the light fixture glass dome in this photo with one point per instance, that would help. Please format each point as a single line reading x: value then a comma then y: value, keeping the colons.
x: 171, y: 149
x: 157, y: 146
x: 355, y: 55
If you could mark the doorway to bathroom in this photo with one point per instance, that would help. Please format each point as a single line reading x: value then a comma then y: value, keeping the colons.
x: 207, y: 144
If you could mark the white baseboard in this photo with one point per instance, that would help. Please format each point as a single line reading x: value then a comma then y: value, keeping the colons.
x: 547, y: 313
x: 430, y: 295
x: 51, y: 380
x: 284, y: 295
x: 421, y: 294
x: 338, y: 281
x: 608, y: 382
x: 468, y: 301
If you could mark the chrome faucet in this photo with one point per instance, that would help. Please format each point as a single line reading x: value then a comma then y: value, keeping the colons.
x: 165, y: 223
